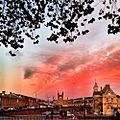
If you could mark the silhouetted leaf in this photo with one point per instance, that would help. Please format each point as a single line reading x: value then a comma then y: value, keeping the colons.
x: 118, y: 21
x: 82, y: 24
x: 36, y: 42
x: 92, y: 20
x: 119, y: 10
x: 99, y: 18
x: 62, y: 17
x: 12, y: 54
x: 85, y: 32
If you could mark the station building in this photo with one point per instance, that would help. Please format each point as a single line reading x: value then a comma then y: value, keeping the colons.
x: 104, y: 101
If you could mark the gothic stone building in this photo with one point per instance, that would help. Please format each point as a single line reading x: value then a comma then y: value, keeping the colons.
x: 104, y: 101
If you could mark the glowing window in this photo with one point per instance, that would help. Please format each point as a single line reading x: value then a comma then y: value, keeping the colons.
x: 111, y: 99
x: 107, y: 99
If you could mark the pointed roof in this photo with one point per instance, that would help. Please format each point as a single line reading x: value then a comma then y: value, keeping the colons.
x: 96, y: 84
x: 96, y: 87
x: 107, y: 87
x: 107, y: 90
x: 118, y: 96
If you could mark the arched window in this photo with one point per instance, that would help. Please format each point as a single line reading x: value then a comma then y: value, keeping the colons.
x: 107, y: 99
x: 111, y: 99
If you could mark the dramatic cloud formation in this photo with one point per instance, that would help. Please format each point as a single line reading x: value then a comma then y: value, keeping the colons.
x: 75, y: 74
x: 28, y: 72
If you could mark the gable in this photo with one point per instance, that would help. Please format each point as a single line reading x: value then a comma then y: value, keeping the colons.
x: 109, y: 92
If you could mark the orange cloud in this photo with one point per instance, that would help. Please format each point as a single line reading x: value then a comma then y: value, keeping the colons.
x: 75, y: 74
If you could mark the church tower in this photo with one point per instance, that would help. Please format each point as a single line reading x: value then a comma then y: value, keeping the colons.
x: 97, y: 99
x: 60, y: 98
x: 95, y: 88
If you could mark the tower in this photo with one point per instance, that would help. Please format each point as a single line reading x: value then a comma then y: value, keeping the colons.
x: 97, y: 99
x: 95, y: 88
x: 60, y: 98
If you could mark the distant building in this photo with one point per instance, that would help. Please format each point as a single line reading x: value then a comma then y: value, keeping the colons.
x: 13, y: 100
x: 104, y: 101
x: 74, y: 104
x: 60, y: 100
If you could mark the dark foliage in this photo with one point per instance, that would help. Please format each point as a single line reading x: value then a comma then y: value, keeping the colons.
x: 24, y: 17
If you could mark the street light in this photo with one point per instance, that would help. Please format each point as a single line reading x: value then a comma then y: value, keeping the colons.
x: 84, y: 107
x: 0, y: 103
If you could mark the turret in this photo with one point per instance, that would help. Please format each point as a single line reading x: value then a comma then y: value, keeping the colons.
x: 62, y: 93
x: 95, y: 88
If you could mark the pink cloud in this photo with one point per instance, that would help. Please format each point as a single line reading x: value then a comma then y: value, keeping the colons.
x: 75, y: 75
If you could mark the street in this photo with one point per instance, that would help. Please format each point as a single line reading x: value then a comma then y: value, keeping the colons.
x: 34, y: 117
x: 55, y: 117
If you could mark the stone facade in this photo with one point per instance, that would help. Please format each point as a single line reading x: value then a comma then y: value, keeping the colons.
x: 105, y: 100
x: 60, y: 100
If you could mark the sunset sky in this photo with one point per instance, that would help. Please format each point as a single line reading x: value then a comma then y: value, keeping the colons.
x: 46, y: 68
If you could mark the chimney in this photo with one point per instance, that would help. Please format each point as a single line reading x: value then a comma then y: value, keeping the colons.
x: 107, y: 86
x: 62, y: 93
x: 53, y: 98
x: 3, y: 92
x: 101, y: 88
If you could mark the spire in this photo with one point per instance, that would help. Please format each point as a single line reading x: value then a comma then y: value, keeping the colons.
x: 62, y: 93
x: 95, y: 86
x: 101, y: 88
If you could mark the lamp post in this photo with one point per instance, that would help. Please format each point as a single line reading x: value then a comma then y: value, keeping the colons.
x: 0, y: 102
x: 18, y: 101
x: 94, y: 105
x: 73, y: 105
x: 2, y: 99
x: 84, y: 108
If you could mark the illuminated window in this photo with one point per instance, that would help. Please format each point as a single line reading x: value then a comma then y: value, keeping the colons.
x: 107, y: 99
x: 111, y: 99
x: 108, y: 107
